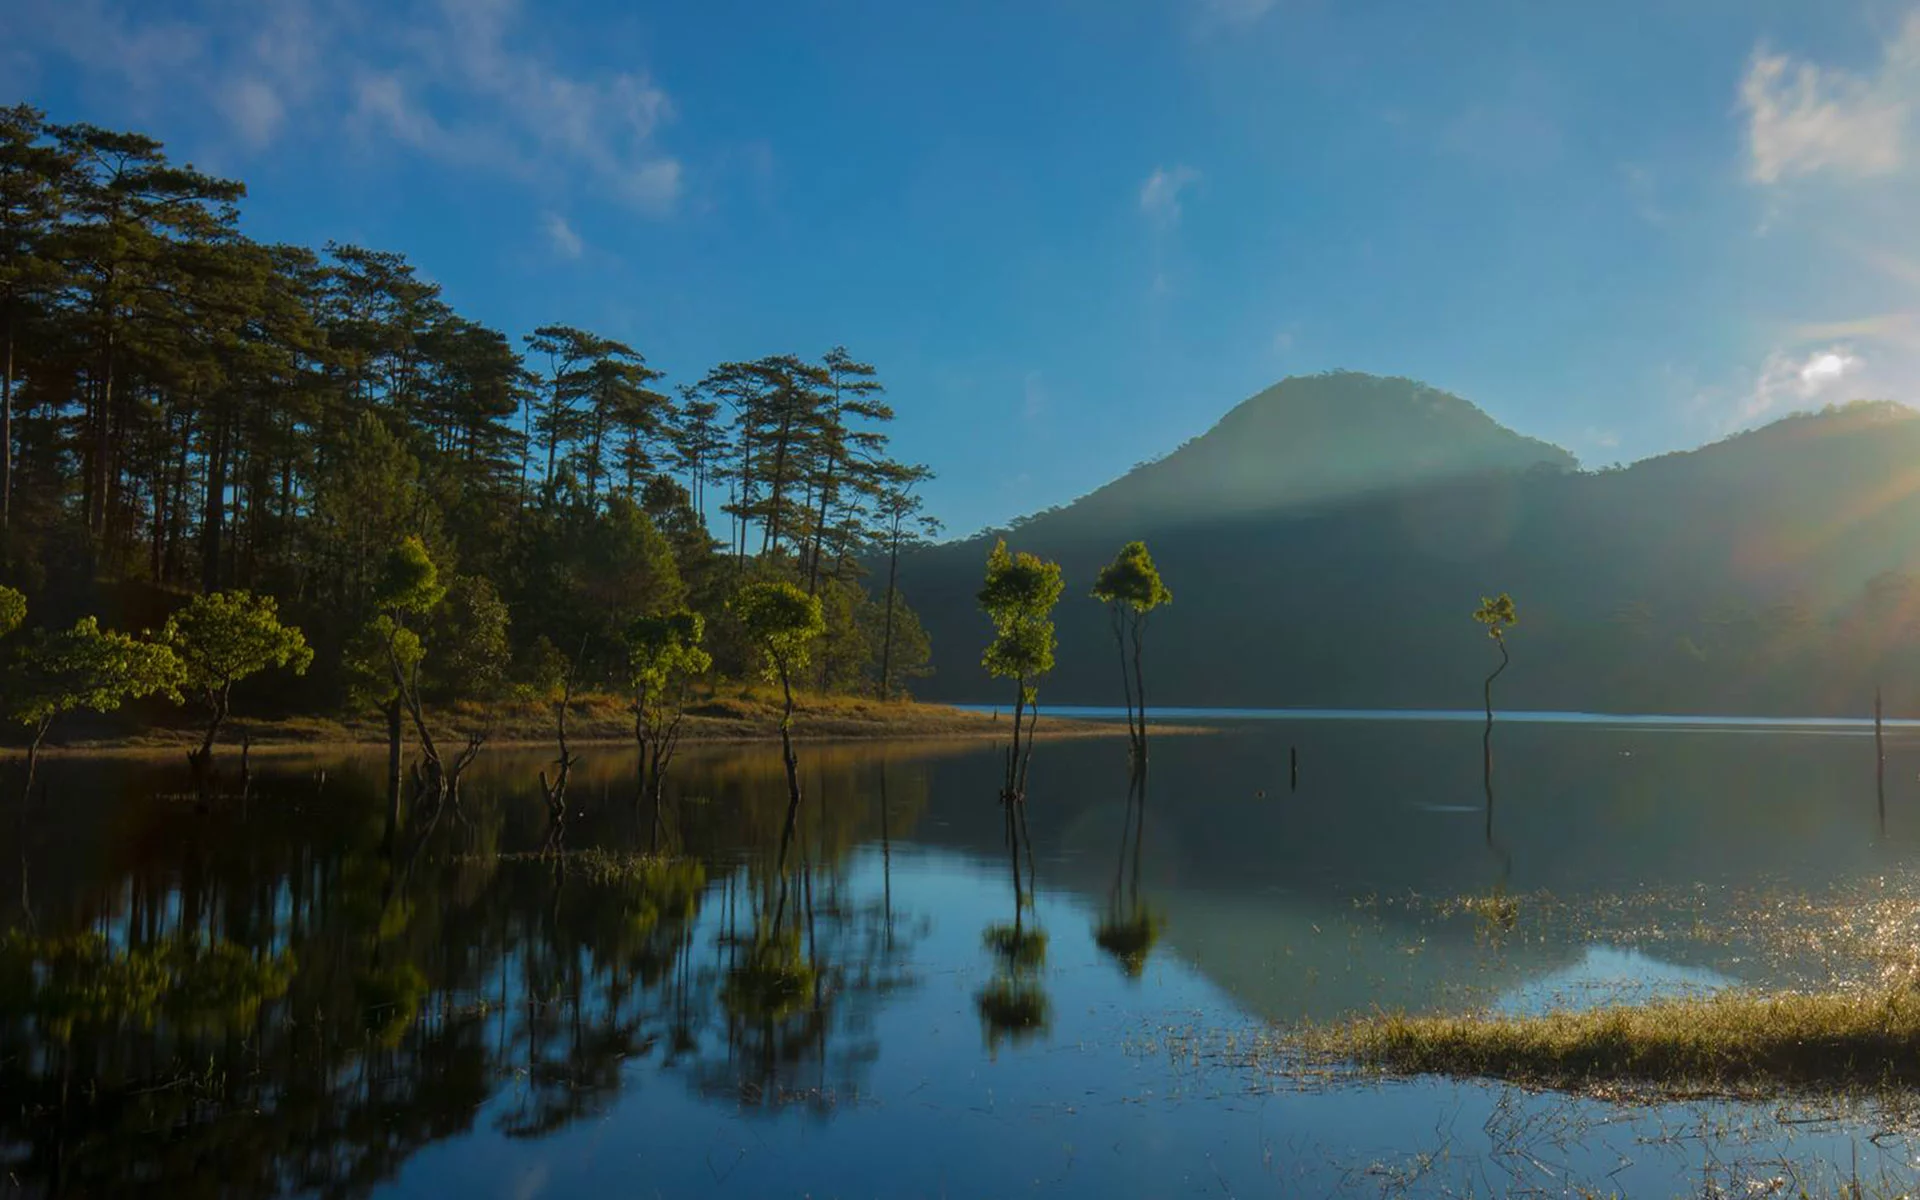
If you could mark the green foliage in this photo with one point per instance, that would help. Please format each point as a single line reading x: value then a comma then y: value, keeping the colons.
x: 369, y: 671
x: 223, y: 637
x: 83, y: 980
x: 88, y: 667
x: 13, y: 610
x: 1497, y: 615
x: 389, y: 999
x: 1012, y: 1011
x: 541, y: 671
x: 1129, y: 940
x: 773, y: 981
x: 591, y: 570
x: 781, y: 621
x: 409, y: 582
x: 1016, y: 947
x: 664, y: 651
x: 1132, y: 580
x: 1018, y: 597
x: 470, y: 633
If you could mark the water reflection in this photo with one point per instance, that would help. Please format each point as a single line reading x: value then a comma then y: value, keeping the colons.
x: 285, y: 996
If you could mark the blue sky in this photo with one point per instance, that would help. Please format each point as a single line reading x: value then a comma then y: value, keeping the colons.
x: 1073, y: 233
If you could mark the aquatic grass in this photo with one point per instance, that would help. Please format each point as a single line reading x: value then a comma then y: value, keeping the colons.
x: 1016, y: 947
x: 773, y: 981
x: 1012, y: 1011
x: 1732, y: 1042
x: 1130, y: 940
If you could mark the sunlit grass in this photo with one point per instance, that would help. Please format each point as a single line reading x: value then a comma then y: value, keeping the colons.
x: 1735, y: 1042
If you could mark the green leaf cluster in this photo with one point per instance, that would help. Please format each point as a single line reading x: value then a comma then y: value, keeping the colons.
x: 13, y: 610
x: 665, y: 650
x: 409, y: 583
x: 88, y: 667
x: 1497, y: 614
x: 1132, y: 580
x: 1018, y: 597
x: 781, y: 621
x: 223, y: 637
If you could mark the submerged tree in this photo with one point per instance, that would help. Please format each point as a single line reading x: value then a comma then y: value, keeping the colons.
x: 222, y: 638
x: 407, y: 590
x: 85, y: 667
x: 663, y: 654
x: 1018, y: 597
x: 781, y: 622
x: 1497, y: 615
x: 1131, y: 588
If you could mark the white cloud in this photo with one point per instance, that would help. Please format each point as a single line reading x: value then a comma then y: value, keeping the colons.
x: 469, y: 82
x: 1803, y: 118
x: 1160, y: 194
x: 1789, y: 381
x: 254, y: 109
x: 566, y: 241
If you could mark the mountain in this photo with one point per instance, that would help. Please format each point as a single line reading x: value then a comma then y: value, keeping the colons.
x: 1305, y: 441
x: 1328, y: 539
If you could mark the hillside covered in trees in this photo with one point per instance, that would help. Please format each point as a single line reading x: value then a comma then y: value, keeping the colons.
x: 1328, y: 540
x: 184, y: 410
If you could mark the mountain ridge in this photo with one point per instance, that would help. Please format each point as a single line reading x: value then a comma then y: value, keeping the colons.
x: 1352, y: 588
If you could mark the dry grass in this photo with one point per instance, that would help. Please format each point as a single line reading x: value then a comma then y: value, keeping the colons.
x: 1729, y: 1043
x: 733, y: 715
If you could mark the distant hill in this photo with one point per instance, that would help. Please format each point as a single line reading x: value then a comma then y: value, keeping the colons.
x: 1305, y: 441
x: 1328, y: 539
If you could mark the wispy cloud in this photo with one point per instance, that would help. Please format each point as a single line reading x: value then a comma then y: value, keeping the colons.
x: 562, y: 236
x: 1643, y: 192
x: 1788, y: 380
x: 472, y: 83
x: 467, y: 82
x: 1804, y: 118
x: 1160, y: 194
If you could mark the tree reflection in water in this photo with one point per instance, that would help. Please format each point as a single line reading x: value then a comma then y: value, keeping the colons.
x: 291, y: 1001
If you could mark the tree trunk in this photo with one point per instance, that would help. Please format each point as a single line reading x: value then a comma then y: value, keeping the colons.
x: 1126, y: 677
x: 391, y: 710
x: 214, y: 510
x: 793, y: 794
x: 886, y: 639
x: 202, y: 759
x: 1140, y: 688
x: 1486, y: 740
x: 6, y: 429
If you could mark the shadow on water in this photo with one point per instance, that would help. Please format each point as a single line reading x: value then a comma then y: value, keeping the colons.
x: 314, y: 998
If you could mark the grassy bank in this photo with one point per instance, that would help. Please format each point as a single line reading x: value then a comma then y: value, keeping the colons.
x: 1731, y: 1043
x: 731, y: 717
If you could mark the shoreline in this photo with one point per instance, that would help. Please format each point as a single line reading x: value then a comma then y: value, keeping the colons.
x: 606, y: 721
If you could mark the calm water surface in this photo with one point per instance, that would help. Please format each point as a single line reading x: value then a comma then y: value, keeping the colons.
x: 445, y: 1011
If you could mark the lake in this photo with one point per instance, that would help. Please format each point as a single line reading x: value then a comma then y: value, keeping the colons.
x: 276, y: 995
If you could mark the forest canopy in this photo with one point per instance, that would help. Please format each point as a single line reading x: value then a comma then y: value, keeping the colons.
x: 186, y: 410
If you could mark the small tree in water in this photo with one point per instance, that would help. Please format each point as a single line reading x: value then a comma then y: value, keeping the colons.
x: 781, y: 622
x: 1497, y: 615
x: 1131, y: 588
x: 83, y: 667
x: 663, y: 653
x: 222, y: 638
x: 408, y: 590
x: 1018, y: 597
